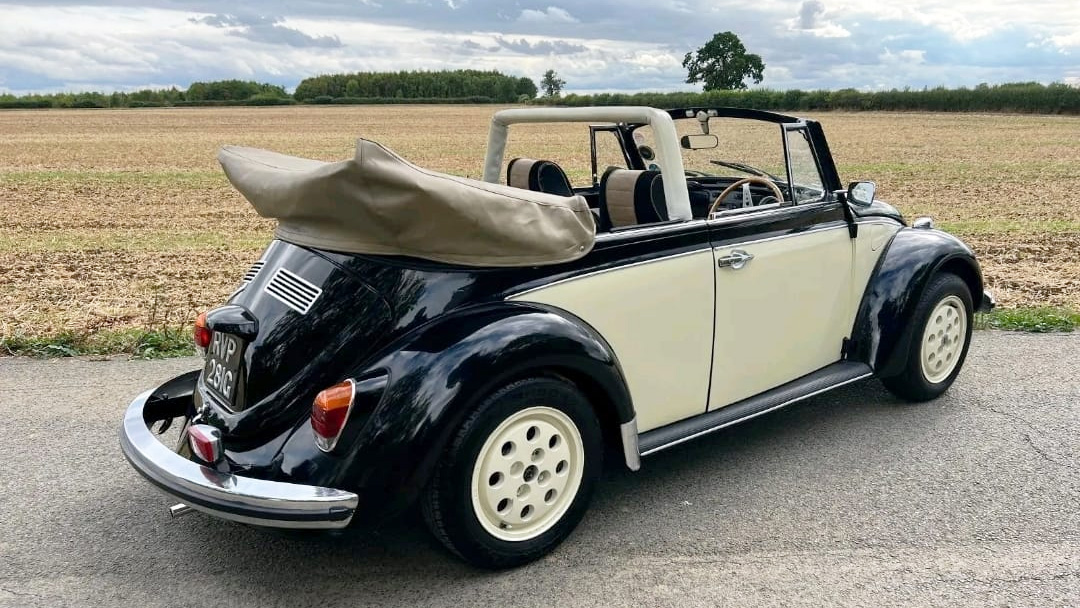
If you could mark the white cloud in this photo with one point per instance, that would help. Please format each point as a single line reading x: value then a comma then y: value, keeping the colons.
x: 553, y: 14
x: 602, y: 45
x: 968, y: 21
x: 812, y: 19
x: 905, y: 57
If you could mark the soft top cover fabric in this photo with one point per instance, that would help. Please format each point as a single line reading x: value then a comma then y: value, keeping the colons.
x: 379, y: 203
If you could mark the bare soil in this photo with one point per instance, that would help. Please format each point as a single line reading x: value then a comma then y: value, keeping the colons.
x: 121, y: 218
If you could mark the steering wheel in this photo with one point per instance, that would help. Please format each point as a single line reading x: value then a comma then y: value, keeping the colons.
x: 746, y: 180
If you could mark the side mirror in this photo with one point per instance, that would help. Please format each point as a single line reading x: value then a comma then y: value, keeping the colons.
x: 862, y: 193
x: 699, y: 142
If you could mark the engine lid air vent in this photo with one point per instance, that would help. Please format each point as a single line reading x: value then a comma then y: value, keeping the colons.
x: 253, y: 272
x: 292, y: 290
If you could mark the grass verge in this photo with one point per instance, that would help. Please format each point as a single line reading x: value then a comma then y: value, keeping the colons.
x: 177, y: 342
x: 139, y: 343
x: 1038, y: 320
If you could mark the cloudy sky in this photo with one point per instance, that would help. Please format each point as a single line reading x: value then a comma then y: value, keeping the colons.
x: 595, y: 45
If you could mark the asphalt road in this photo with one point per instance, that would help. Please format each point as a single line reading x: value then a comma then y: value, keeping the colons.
x: 848, y: 499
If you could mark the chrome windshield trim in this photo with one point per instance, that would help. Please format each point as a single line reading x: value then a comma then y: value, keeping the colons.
x: 243, y: 499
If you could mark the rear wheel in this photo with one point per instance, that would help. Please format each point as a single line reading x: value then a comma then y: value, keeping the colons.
x: 938, y: 339
x: 518, y: 475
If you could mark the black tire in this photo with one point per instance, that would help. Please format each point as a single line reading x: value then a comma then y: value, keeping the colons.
x: 913, y: 383
x: 448, y: 504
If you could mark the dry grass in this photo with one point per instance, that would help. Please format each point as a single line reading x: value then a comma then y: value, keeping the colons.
x: 119, y: 219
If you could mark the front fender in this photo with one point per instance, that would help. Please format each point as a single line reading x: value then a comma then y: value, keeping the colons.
x: 437, y: 374
x: 901, y: 276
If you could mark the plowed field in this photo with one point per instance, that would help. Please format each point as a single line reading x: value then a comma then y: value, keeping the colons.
x: 122, y: 218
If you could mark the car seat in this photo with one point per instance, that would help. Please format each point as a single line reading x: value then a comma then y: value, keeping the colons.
x: 538, y: 176
x: 631, y: 197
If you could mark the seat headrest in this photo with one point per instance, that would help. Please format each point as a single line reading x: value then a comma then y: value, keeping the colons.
x: 518, y: 171
x: 628, y: 198
x: 551, y: 178
x: 539, y: 176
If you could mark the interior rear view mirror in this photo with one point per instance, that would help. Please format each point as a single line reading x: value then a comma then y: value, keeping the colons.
x: 699, y: 142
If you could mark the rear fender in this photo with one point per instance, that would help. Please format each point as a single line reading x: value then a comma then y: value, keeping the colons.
x: 901, y: 276
x: 172, y: 399
x: 439, y: 373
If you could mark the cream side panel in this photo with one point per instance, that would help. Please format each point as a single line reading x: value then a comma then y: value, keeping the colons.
x: 868, y: 249
x: 658, y: 317
x: 783, y: 315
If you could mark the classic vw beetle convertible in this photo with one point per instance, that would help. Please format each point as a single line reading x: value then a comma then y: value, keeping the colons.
x: 480, y: 347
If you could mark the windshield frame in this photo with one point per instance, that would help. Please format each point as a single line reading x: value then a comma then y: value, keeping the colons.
x: 819, y: 146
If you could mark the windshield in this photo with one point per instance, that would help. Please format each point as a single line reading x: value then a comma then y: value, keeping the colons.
x: 744, y: 148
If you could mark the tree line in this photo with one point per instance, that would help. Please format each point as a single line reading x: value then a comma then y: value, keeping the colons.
x: 1030, y: 97
x: 458, y: 86
x: 1025, y: 97
x: 220, y: 92
x: 455, y: 84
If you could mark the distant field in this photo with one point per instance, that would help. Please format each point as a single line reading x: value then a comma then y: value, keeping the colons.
x: 119, y: 219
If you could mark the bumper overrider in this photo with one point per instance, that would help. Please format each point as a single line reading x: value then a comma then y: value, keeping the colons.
x: 225, y: 495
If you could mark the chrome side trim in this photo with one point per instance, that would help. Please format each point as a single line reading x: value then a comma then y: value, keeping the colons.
x: 234, y: 497
x: 629, y: 433
x: 705, y: 247
x: 838, y: 226
x: 755, y: 414
x: 647, y: 230
x: 878, y: 221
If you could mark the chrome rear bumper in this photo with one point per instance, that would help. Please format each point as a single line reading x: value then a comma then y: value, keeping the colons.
x: 988, y: 303
x: 243, y: 499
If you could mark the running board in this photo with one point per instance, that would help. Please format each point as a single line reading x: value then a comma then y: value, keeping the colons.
x: 823, y: 380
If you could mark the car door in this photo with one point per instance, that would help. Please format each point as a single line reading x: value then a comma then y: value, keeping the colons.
x: 651, y: 299
x: 783, y: 286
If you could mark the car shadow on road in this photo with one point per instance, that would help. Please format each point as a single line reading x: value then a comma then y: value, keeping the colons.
x: 370, y: 557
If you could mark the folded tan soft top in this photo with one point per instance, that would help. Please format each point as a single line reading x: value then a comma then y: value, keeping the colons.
x: 379, y: 203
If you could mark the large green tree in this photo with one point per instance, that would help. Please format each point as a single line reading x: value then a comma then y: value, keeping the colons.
x: 551, y: 84
x: 723, y: 63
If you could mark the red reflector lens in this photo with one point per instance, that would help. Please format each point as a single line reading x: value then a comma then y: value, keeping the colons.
x: 205, y: 442
x: 202, y: 332
x: 330, y: 412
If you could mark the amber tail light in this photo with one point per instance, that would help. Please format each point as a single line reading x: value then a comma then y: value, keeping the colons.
x: 330, y: 412
x: 203, y: 334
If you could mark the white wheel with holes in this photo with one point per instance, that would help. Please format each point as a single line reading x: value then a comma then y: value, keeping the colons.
x: 517, y: 477
x: 935, y: 340
x: 527, y: 474
x: 943, y: 339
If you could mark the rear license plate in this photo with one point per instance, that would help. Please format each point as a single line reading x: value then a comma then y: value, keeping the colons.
x: 223, y: 366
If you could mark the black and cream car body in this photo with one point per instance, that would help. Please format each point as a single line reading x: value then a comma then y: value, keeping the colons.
x: 480, y: 347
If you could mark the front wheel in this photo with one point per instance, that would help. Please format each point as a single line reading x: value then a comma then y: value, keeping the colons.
x: 518, y: 475
x: 938, y: 337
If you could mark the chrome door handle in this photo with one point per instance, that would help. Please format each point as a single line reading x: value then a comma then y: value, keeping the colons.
x: 734, y: 260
